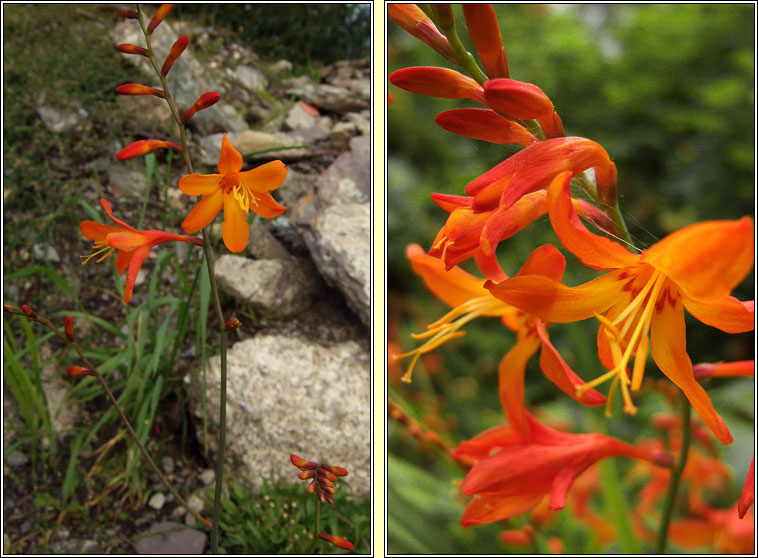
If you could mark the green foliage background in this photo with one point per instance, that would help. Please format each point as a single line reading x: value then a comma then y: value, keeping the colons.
x: 668, y: 91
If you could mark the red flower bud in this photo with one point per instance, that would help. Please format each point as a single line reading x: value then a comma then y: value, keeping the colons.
x: 339, y: 471
x: 325, y: 482
x: 327, y: 489
x: 325, y: 496
x: 341, y: 542
x: 128, y: 48
x: 312, y: 487
x: 301, y: 463
x: 321, y: 495
x: 323, y: 473
x: 9, y: 308
x: 127, y: 14
x: 174, y: 53
x: 203, y: 102
x: 485, y: 34
x: 137, y: 89
x: 142, y: 147
x: 75, y: 371
x: 68, y: 327
x: 307, y: 474
x: 31, y: 314
x: 232, y: 323
x: 159, y: 16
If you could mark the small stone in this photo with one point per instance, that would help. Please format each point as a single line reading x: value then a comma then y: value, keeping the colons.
x: 157, y: 500
x: 167, y: 464
x: 45, y: 252
x: 207, y: 476
x: 168, y: 537
x: 16, y: 459
x: 26, y: 526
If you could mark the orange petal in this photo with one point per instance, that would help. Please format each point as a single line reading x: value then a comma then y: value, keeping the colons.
x: 267, y: 206
x: 555, y: 302
x: 437, y: 82
x: 484, y: 125
x: 126, y: 240
x: 200, y: 184
x: 592, y: 250
x: 511, y: 383
x: 264, y: 178
x: 504, y: 222
x: 545, y: 260
x: 727, y: 314
x: 235, y: 229
x: 517, y: 98
x: 97, y: 231
x: 122, y: 261
x: 203, y: 213
x: 486, y: 508
x: 668, y: 346
x: 229, y: 160
x: 135, y: 264
x: 484, y: 31
x: 747, y: 496
x: 706, y: 260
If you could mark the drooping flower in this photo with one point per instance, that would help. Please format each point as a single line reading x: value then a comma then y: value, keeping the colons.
x: 643, y: 296
x: 512, y: 475
x: 469, y: 299
x: 133, y: 245
x: 237, y: 192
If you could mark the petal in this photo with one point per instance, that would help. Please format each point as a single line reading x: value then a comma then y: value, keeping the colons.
x: 557, y: 371
x: 122, y: 261
x: 203, y: 213
x: 505, y: 222
x: 484, y: 31
x: 555, y: 302
x: 545, y: 260
x: 235, y: 229
x: 126, y: 240
x: 727, y: 314
x: 706, y: 260
x: 109, y: 211
x: 264, y: 178
x: 229, y: 160
x: 490, y: 266
x: 97, y: 231
x: 437, y: 82
x: 484, y: 125
x: 200, y: 184
x: 517, y: 98
x: 134, y: 266
x: 511, y: 383
x: 487, y: 508
x: 267, y: 207
x: 668, y: 346
x: 592, y: 250
x: 452, y: 287
x: 747, y: 496
x: 483, y: 444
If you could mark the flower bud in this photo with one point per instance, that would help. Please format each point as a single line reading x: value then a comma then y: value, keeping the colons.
x: 28, y: 312
x: 68, y: 327
x: 232, y: 323
x: 485, y: 33
x: 324, y: 474
x: 411, y: 18
x: 444, y: 14
x: 437, y: 82
x: 176, y: 51
x: 309, y: 474
x: 339, y: 471
x: 301, y: 463
x: 325, y: 496
x: 9, y: 308
x: 159, y: 16
x: 127, y: 14
x: 143, y: 147
x: 340, y: 542
x: 137, y: 89
x: 312, y: 487
x: 74, y: 371
x: 203, y: 102
x: 128, y: 48
x: 517, y: 99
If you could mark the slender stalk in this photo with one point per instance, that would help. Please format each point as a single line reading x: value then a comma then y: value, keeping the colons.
x: 315, y: 523
x: 465, y: 59
x: 676, y: 476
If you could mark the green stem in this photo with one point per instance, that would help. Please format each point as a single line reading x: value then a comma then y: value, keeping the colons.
x: 613, y: 211
x: 465, y: 58
x: 315, y: 524
x: 676, y: 476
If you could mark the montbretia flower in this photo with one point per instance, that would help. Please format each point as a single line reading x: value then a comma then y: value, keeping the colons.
x: 511, y: 475
x: 411, y: 18
x: 484, y: 125
x: 159, y: 16
x: 129, y: 48
x: 133, y: 245
x: 485, y: 34
x: 204, y: 101
x: 747, y: 496
x: 643, y: 296
x: 469, y: 299
x: 143, y: 147
x: 340, y: 542
x: 176, y: 51
x: 324, y: 477
x: 237, y: 192
x: 139, y: 89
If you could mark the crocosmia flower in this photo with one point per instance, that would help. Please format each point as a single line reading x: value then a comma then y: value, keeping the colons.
x: 644, y: 296
x: 133, y: 246
x: 237, y: 192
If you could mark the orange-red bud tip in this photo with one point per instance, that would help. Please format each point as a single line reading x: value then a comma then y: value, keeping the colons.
x: 307, y: 475
x: 75, y: 371
x: 128, y: 48
x: 159, y: 16
x: 203, y: 102
x: 339, y: 471
x: 336, y: 541
x: 176, y: 51
x: 312, y: 487
x: 662, y: 458
x: 138, y: 89
x: 68, y: 327
x: 127, y: 14
x: 301, y: 463
x: 28, y: 312
x: 232, y: 323
x: 143, y: 147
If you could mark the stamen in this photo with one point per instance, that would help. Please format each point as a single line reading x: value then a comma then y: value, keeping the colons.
x: 609, y: 400
x: 102, y: 248
x: 244, y: 197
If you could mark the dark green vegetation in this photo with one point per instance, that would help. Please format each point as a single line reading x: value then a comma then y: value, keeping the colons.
x: 668, y: 92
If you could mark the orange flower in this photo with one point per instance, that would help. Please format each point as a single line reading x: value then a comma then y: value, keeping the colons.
x: 485, y: 33
x: 747, y: 496
x: 521, y: 472
x: 142, y: 147
x: 235, y: 191
x: 133, y: 246
x: 643, y: 296
x: 485, y: 125
x: 411, y: 18
x: 467, y: 295
x: 340, y: 542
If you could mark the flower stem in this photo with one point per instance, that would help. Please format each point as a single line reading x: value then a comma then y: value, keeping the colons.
x: 315, y: 523
x: 464, y: 58
x: 676, y: 476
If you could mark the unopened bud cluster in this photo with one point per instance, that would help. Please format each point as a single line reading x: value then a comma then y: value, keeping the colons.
x: 324, y: 477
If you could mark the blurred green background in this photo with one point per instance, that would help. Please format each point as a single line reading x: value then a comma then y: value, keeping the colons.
x: 668, y: 91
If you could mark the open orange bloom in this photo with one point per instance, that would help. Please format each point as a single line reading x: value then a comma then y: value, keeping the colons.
x: 467, y: 295
x: 235, y: 191
x: 643, y: 296
x: 133, y: 246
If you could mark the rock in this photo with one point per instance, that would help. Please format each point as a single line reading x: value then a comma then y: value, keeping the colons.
x: 207, y: 477
x: 157, y: 500
x: 296, y: 186
x: 289, y: 395
x: 45, y: 252
x: 272, y: 287
x: 249, y: 77
x: 251, y: 141
x: 167, y: 464
x: 168, y: 537
x: 337, y: 99
x: 148, y: 113
x: 16, y: 459
x: 299, y: 118
x: 281, y: 67
x: 124, y: 181
x: 58, y: 121
x: 263, y: 245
